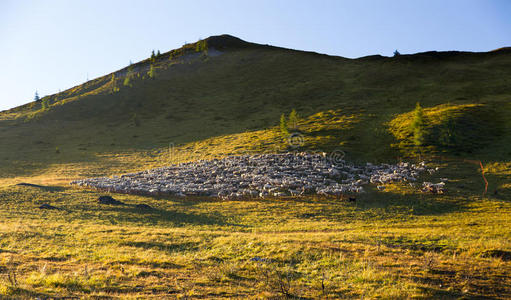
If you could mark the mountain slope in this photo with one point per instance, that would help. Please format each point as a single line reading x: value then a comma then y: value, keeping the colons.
x: 224, y: 96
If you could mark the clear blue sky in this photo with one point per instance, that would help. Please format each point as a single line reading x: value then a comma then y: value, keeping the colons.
x: 49, y: 45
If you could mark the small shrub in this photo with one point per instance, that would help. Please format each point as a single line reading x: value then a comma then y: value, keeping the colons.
x: 36, y: 97
x: 279, y: 280
x: 283, y: 126
x: 396, y: 53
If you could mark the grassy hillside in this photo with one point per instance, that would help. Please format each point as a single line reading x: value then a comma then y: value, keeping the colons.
x: 223, y: 86
x: 223, y: 96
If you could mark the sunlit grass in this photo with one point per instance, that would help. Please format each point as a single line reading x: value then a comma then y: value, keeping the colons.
x: 400, y: 243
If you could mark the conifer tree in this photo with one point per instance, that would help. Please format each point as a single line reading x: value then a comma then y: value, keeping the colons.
x: 293, y: 120
x: 129, y: 75
x: 283, y: 125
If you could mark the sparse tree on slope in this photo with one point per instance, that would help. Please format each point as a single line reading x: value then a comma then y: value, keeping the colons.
x: 293, y: 120
x: 129, y: 74
x: 153, y: 57
x: 283, y: 126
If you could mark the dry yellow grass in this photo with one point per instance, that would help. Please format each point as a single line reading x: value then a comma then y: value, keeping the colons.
x: 396, y: 244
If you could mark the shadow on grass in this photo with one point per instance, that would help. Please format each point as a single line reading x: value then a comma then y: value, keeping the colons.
x: 438, y: 245
x: 380, y: 205
x: 165, y: 247
x: 328, y: 132
x: 185, y: 201
x: 131, y: 214
x: 42, y: 187
x: 414, y: 203
x: 20, y: 293
x: 433, y: 293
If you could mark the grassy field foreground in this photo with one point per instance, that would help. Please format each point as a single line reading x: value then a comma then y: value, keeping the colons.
x: 395, y: 244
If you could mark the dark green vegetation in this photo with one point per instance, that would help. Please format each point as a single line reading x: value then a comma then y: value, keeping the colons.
x: 223, y: 96
x: 289, y: 123
x: 462, y: 129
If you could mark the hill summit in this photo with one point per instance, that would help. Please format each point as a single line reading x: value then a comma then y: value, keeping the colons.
x: 224, y: 96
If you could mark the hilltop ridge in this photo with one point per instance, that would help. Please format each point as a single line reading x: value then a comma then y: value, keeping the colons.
x: 226, y: 42
x: 224, y: 96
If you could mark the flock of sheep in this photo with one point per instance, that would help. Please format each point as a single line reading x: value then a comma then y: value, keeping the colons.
x: 259, y: 176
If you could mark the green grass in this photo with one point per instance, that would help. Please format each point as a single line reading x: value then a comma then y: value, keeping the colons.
x: 394, y: 244
x: 464, y: 128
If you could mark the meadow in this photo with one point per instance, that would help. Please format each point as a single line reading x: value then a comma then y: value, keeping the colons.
x: 395, y: 244
x: 224, y: 98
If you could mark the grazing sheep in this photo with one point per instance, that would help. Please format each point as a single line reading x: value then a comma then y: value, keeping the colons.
x: 259, y: 175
